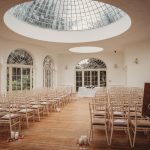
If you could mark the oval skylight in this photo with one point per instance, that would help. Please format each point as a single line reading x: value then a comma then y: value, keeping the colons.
x: 48, y: 20
x: 86, y: 49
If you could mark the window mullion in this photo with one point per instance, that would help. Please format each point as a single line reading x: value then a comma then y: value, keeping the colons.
x: 30, y: 78
x: 10, y: 78
x: 21, y: 79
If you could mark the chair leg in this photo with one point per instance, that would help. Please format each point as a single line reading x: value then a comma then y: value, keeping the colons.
x: 27, y: 120
x: 19, y: 126
x: 91, y: 134
x: 134, y: 137
x: 106, y: 132
x: 38, y: 113
x: 129, y: 137
x: 111, y: 134
x: 10, y: 126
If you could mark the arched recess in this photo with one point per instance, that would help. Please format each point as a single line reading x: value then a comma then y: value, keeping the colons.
x: 19, y: 70
x: 48, y: 72
x: 91, y: 72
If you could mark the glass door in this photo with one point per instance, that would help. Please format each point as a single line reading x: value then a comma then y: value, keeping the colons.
x: 102, y: 78
x: 94, y: 78
x: 25, y: 78
x: 78, y: 79
x: 19, y: 78
x: 16, y: 78
x: 87, y: 78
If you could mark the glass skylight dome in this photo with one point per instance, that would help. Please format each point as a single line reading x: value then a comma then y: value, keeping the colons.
x: 67, y: 15
x: 67, y: 21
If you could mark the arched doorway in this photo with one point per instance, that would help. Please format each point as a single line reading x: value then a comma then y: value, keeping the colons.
x: 91, y: 72
x: 19, y: 71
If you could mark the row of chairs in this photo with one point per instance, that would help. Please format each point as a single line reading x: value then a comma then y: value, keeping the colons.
x: 17, y: 108
x: 118, y: 110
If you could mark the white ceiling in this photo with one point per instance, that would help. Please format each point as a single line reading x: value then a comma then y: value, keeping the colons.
x: 138, y: 10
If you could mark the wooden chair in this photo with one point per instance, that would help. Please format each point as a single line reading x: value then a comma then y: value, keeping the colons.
x: 26, y: 110
x: 98, y: 118
x: 12, y: 119
x: 139, y: 123
x: 119, y: 120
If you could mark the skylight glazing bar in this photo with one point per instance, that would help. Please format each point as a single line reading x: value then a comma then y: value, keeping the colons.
x: 69, y: 15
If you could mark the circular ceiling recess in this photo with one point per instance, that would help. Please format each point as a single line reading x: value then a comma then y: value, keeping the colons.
x: 86, y: 49
x: 67, y: 21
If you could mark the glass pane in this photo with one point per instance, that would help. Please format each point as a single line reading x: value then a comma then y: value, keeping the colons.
x: 16, y: 78
x: 7, y: 79
x: 95, y: 78
x: 78, y: 79
x: 102, y: 78
x: 67, y: 14
x: 14, y: 71
x: 20, y: 56
x: 25, y: 78
x: 86, y: 78
x: 91, y: 63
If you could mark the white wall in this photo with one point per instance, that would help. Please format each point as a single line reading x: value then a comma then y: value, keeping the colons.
x: 115, y: 76
x: 138, y: 74
x: 38, y: 54
x: 128, y: 73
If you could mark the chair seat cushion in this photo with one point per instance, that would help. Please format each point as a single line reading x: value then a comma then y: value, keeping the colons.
x: 99, y: 113
x: 26, y: 110
x: 120, y: 122
x: 118, y: 113
x: 37, y: 106
x: 138, y: 114
x: 2, y: 109
x: 63, y: 96
x: 98, y: 121
x: 57, y: 98
x: 33, y: 103
x: 25, y: 106
x: 10, y: 116
x: 44, y: 103
x: 12, y: 110
x: 141, y: 123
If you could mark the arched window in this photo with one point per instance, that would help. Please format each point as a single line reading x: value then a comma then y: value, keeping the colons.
x: 48, y: 72
x: 19, y: 71
x: 90, y: 72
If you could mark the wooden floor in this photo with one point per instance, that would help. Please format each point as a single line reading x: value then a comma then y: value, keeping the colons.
x: 60, y: 131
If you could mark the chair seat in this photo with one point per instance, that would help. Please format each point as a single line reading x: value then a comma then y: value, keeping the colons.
x: 37, y: 106
x: 141, y: 123
x: 33, y: 103
x: 2, y: 109
x: 118, y: 113
x: 138, y: 114
x: 120, y: 122
x: 98, y: 121
x: 12, y: 110
x: 26, y: 110
x: 51, y: 101
x: 99, y: 113
x: 57, y: 98
x: 3, y: 113
x: 25, y: 106
x: 63, y: 96
x: 44, y: 103
x: 10, y: 116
